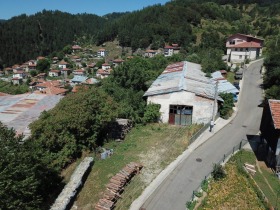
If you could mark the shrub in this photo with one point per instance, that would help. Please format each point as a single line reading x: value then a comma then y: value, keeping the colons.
x: 226, y: 109
x: 204, y: 185
x: 191, y: 204
x: 218, y: 172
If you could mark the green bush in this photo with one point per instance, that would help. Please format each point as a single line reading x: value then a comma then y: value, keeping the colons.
x: 204, y: 185
x: 152, y: 113
x: 218, y: 172
x: 191, y: 204
x: 226, y: 108
x: 198, y: 194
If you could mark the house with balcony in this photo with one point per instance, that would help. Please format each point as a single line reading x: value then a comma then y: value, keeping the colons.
x: 241, y: 47
x: 170, y: 50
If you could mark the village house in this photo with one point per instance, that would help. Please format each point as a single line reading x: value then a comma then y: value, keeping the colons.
x: 50, y: 88
x: 270, y: 132
x: 41, y: 76
x: 19, y: 74
x: 16, y: 81
x: 76, y: 59
x: 76, y: 48
x: 1, y: 73
x: 117, y: 62
x: 150, y: 53
x: 241, y: 47
x: 24, y: 67
x: 184, y: 94
x: 101, y: 53
x: 80, y: 72
x: 170, y: 50
x: 101, y: 73
x: 40, y: 58
x: 54, y: 60
x: 54, y: 73
x: 32, y: 65
x: 78, y: 79
x: 106, y: 66
x: 62, y: 64
x: 65, y: 71
x: 8, y: 71
x: 91, y: 65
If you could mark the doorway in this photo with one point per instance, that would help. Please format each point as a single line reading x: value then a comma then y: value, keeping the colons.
x: 180, y: 115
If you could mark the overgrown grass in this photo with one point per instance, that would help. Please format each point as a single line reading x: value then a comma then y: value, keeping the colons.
x: 155, y: 146
x: 242, y: 191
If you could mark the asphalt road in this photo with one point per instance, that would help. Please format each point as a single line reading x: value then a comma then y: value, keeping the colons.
x: 178, y: 187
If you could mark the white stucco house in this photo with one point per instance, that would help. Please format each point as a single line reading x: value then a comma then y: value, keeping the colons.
x: 62, y: 64
x: 185, y: 95
x: 171, y: 50
x: 102, y: 53
x: 241, y: 47
x: 54, y: 73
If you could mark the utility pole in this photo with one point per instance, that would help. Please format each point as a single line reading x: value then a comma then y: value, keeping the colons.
x: 215, y: 99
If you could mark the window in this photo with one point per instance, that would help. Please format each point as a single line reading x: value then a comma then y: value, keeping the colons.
x: 236, y: 49
x: 241, y: 49
x: 247, y: 49
x: 232, y: 42
x: 240, y: 56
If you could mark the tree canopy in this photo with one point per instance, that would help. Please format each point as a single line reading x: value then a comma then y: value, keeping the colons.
x: 78, y: 122
x: 25, y: 181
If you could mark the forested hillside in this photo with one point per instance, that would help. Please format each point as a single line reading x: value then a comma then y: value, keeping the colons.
x: 194, y: 25
x: 25, y: 37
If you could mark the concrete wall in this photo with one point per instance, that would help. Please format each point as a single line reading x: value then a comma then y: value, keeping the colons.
x: 235, y: 55
x: 202, y: 107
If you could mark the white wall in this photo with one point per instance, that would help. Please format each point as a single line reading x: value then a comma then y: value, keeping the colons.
x: 202, y: 107
x: 235, y: 55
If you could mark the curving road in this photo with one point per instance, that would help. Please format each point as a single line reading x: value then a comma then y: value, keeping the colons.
x: 177, y: 188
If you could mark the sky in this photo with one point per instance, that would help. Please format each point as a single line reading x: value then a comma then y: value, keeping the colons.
x: 10, y: 8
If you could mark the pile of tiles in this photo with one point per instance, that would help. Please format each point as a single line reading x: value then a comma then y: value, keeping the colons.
x: 116, y: 186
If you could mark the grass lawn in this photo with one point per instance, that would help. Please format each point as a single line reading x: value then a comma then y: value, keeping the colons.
x: 242, y: 188
x: 155, y: 146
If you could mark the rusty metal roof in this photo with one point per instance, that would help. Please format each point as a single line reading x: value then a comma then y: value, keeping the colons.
x: 183, y: 76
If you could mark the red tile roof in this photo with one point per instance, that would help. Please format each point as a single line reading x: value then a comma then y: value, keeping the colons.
x: 76, y: 47
x: 56, y: 71
x: 274, y: 106
x: 105, y: 64
x: 101, y: 50
x: 246, y: 45
x: 40, y: 57
x: 63, y: 62
x: 104, y: 72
